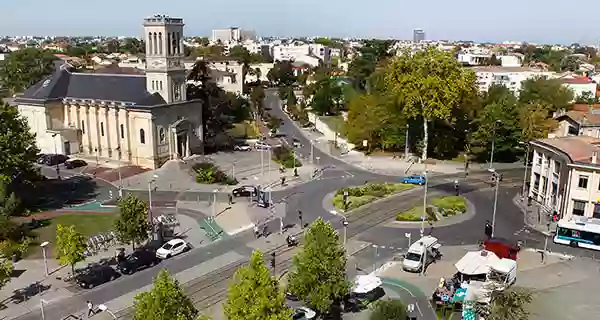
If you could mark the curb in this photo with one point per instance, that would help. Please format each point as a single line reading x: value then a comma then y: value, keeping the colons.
x: 330, y: 207
x: 561, y: 256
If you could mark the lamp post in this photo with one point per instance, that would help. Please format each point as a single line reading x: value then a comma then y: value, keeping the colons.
x: 406, y: 143
x: 318, y: 158
x: 422, y: 231
x: 97, y: 160
x: 408, y: 235
x: 150, y: 215
x: 104, y: 308
x: 493, y: 144
x: 526, y: 166
x: 56, y: 152
x: 42, y: 301
x: 44, y: 245
x: 345, y: 223
x: 497, y: 179
x: 262, y: 163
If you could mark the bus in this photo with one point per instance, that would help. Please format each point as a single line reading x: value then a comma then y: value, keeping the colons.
x: 582, y: 233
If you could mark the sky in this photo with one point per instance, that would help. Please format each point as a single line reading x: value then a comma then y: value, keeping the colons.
x: 508, y: 20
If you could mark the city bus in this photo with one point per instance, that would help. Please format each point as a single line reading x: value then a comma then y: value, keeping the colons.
x: 582, y: 233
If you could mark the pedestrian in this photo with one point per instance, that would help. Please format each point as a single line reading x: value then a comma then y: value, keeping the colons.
x: 256, y: 231
x: 488, y: 229
x: 230, y: 197
x: 90, y: 306
x: 543, y: 255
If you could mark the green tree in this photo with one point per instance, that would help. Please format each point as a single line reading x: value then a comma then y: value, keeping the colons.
x: 282, y: 74
x: 132, y: 224
x: 24, y: 68
x: 165, y: 301
x: 70, y: 246
x: 328, y: 96
x: 6, y: 269
x: 389, y: 309
x: 291, y: 99
x: 18, y: 147
x: 509, y: 304
x: 535, y: 122
x: 257, y: 96
x: 428, y: 84
x: 549, y: 92
x: 318, y: 275
x: 254, y: 294
x: 274, y: 123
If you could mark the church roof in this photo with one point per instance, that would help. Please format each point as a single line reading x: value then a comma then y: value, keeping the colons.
x: 63, y: 84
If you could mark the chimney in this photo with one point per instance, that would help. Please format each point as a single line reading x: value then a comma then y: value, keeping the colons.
x: 594, y: 157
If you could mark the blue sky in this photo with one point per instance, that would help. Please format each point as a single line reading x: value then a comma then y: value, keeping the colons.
x: 524, y: 20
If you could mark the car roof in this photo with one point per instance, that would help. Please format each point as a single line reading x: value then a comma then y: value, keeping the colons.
x: 175, y: 241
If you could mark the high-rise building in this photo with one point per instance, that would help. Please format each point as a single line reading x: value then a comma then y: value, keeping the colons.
x: 418, y: 35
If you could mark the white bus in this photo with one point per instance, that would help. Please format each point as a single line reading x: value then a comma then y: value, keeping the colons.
x: 581, y: 232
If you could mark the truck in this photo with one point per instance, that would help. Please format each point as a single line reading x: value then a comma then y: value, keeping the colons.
x: 421, y: 254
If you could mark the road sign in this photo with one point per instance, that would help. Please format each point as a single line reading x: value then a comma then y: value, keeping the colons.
x: 407, y: 234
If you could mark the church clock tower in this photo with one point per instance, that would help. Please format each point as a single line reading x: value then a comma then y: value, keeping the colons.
x: 165, y: 72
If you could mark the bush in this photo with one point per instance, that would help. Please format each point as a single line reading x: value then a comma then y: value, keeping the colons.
x: 208, y: 173
x: 284, y: 156
x: 415, y: 214
x: 450, y: 205
x: 359, y: 196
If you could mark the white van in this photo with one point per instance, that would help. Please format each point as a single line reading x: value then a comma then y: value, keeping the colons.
x: 414, y: 258
x: 503, y: 273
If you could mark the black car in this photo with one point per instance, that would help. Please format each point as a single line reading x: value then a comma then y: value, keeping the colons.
x: 54, y: 159
x: 75, y: 163
x: 96, y: 276
x: 137, y: 261
x: 244, y: 191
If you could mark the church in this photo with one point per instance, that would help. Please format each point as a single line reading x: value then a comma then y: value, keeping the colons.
x: 143, y: 120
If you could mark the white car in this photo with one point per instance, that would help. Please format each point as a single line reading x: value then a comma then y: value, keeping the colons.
x: 172, y: 248
x: 241, y: 147
x: 262, y: 146
x: 304, y: 313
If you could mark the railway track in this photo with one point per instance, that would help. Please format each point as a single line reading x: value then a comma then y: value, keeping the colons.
x: 210, y: 289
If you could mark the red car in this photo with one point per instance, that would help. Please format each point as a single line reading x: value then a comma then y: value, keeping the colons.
x: 503, y: 248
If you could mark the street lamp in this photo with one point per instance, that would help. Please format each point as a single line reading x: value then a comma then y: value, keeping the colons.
x: 526, y: 166
x: 497, y: 180
x: 44, y: 245
x: 493, y: 144
x: 42, y: 302
x: 422, y: 231
x: 406, y: 143
x: 151, y: 216
x: 56, y: 152
x: 104, y: 308
x: 345, y: 223
x: 318, y: 158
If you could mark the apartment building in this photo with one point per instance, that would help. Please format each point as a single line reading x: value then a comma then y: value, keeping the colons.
x: 308, y: 53
x: 577, y: 123
x: 580, y: 85
x: 232, y: 35
x: 510, y: 77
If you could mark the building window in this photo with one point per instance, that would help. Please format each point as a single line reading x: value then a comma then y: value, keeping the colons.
x: 142, y: 136
x: 161, y: 135
x: 536, y: 181
x: 583, y: 182
x: 153, y: 85
x: 573, y: 131
x: 578, y: 208
x: 596, y: 211
x: 161, y: 86
x: 177, y: 92
x: 82, y: 126
x: 149, y: 43
x: 102, y: 129
x: 160, y: 43
x: 122, y: 131
x: 539, y: 159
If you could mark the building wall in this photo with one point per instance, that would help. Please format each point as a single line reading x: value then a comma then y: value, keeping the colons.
x: 584, y: 194
x: 547, y: 181
x: 580, y: 89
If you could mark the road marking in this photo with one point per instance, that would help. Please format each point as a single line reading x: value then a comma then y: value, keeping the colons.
x: 409, y: 292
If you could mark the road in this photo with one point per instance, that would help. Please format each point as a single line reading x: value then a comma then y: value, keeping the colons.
x: 308, y: 197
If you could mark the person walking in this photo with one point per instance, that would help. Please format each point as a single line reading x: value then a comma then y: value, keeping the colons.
x: 90, y: 307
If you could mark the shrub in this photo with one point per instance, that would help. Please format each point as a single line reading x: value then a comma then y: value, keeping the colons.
x: 415, y: 214
x: 208, y: 173
x: 284, y: 156
x: 359, y: 196
x: 450, y: 205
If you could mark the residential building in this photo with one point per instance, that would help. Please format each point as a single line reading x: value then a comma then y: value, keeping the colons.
x: 580, y: 85
x: 311, y: 54
x: 576, y: 123
x: 565, y: 176
x: 232, y: 35
x: 510, y: 77
x: 142, y: 119
x: 418, y: 35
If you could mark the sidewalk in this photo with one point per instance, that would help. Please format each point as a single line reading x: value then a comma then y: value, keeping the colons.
x: 534, y: 215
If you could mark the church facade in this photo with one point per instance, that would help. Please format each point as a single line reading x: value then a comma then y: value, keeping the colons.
x: 144, y: 119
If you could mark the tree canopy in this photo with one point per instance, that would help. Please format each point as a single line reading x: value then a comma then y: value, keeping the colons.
x: 254, y: 294
x: 24, y: 68
x: 70, y: 246
x: 318, y: 275
x: 509, y: 304
x: 132, y: 225
x: 165, y: 301
x: 388, y: 309
x: 17, y: 146
x: 282, y: 74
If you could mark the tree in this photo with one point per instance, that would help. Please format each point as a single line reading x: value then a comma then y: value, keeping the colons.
x: 389, y: 309
x: 509, y: 304
x: 549, y: 92
x: 132, y: 224
x: 254, y: 294
x: 318, y: 275
x: 24, y: 68
x: 257, y: 96
x: 274, y: 123
x: 282, y: 74
x: 327, y: 96
x: 428, y: 84
x: 17, y: 145
x: 165, y: 301
x: 535, y: 122
x: 6, y: 270
x: 291, y: 98
x: 70, y: 246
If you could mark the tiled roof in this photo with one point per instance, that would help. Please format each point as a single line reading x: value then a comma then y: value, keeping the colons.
x: 578, y: 148
x: 582, y: 117
x: 106, y: 87
x: 578, y: 80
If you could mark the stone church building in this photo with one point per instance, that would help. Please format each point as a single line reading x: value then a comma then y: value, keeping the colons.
x: 141, y: 119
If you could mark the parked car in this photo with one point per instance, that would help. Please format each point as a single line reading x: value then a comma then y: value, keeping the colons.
x: 54, y: 159
x: 242, y: 147
x: 42, y: 158
x: 244, y: 191
x: 304, y: 313
x: 75, y: 163
x: 96, y: 276
x: 296, y: 143
x: 262, y: 146
x: 172, y: 248
x: 137, y: 261
x: 420, y: 180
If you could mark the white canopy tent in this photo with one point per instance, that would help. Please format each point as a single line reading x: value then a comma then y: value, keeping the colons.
x: 366, y: 283
x: 476, y: 262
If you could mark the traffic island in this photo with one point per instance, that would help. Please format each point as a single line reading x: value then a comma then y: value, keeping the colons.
x: 440, y: 208
x: 351, y: 198
x: 209, y: 173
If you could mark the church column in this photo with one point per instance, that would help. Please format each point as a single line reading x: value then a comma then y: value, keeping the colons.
x: 117, y: 141
x: 187, y: 143
x: 87, y: 127
x: 127, y: 143
x: 66, y: 115
x: 95, y: 130
x: 108, y: 124
x: 80, y: 134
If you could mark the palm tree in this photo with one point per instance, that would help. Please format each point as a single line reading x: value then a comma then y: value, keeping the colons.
x: 509, y: 304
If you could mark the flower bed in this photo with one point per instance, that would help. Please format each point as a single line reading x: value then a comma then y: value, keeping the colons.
x: 359, y: 196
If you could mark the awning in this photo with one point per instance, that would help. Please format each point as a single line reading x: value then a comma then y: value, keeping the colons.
x: 476, y: 262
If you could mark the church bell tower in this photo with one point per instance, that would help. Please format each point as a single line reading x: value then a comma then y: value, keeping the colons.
x: 165, y: 72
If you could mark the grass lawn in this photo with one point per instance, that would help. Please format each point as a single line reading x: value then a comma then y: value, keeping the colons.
x: 359, y: 196
x: 413, y: 214
x: 451, y: 205
x: 335, y: 123
x: 87, y: 224
x: 244, y: 130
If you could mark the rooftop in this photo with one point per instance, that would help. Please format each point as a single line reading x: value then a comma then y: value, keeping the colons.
x: 505, y: 69
x: 578, y: 148
x: 582, y: 117
x: 577, y: 80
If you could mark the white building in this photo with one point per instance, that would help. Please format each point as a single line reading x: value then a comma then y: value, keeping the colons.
x: 232, y: 35
x: 510, y: 77
x: 307, y: 53
x: 565, y: 176
x: 580, y: 85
